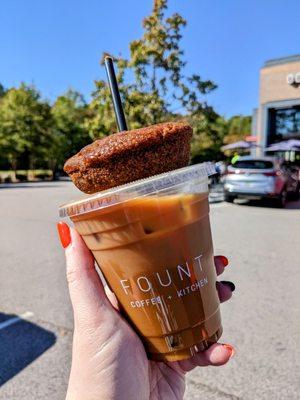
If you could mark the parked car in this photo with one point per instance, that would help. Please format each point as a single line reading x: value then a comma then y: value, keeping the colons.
x: 260, y: 177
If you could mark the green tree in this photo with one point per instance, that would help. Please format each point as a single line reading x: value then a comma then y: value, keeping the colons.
x: 25, y: 125
x: 239, y: 127
x: 161, y: 91
x: 69, y: 134
x: 209, y: 133
x: 100, y: 119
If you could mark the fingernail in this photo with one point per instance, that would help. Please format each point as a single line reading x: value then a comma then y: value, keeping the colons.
x: 64, y: 234
x: 224, y: 260
x: 230, y: 284
x: 230, y: 349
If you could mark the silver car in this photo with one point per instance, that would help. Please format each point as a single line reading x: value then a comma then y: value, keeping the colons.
x: 260, y: 177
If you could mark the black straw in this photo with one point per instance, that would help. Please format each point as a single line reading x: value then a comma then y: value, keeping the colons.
x: 115, y: 94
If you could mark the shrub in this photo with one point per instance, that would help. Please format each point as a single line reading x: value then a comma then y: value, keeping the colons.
x: 43, y: 175
x: 21, y: 177
x: 7, y: 179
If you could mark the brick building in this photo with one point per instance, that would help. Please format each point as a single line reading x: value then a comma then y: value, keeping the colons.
x: 278, y: 115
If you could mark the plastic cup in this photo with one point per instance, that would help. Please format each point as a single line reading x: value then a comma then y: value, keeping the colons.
x: 152, y: 241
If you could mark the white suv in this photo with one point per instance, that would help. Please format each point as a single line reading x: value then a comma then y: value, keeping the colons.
x: 260, y: 177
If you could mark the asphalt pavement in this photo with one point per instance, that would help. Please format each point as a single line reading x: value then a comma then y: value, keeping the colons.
x: 262, y: 321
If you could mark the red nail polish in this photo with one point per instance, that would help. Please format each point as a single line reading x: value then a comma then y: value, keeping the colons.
x: 64, y: 234
x: 230, y: 349
x: 224, y: 260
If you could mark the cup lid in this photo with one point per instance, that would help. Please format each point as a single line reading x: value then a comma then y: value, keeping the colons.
x: 139, y: 188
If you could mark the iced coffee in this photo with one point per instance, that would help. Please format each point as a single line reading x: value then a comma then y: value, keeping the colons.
x: 152, y: 240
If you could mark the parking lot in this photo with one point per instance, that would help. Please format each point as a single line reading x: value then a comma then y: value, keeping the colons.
x: 262, y: 321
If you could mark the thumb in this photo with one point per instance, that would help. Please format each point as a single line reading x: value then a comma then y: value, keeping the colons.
x: 89, y: 301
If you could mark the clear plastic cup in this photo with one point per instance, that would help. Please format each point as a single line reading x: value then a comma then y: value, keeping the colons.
x: 152, y: 241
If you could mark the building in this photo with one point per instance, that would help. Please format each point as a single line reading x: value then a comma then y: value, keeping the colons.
x: 278, y: 116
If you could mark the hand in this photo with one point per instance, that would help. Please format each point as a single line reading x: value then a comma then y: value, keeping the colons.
x: 109, y: 361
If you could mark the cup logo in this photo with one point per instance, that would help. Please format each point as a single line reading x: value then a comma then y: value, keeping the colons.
x: 184, y: 279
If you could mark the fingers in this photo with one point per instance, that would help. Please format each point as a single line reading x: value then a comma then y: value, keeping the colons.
x: 225, y: 289
x: 220, y: 263
x: 217, y: 354
x: 87, y: 294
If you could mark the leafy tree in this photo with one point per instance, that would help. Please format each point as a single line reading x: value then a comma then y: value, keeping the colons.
x: 25, y: 124
x: 160, y: 91
x: 100, y: 119
x: 239, y: 127
x: 69, y: 134
x: 209, y: 133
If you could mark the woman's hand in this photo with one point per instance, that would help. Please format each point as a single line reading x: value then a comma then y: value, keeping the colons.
x: 109, y: 360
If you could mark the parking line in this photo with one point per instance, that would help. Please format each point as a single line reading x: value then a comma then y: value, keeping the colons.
x: 14, y: 320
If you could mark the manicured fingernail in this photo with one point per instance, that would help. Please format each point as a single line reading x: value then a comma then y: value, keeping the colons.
x: 224, y: 260
x: 230, y: 284
x: 64, y: 234
x: 230, y: 349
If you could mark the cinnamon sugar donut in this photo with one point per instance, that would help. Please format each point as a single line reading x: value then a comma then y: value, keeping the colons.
x: 130, y: 155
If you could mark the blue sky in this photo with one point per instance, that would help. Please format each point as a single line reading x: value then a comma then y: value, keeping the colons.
x: 57, y: 44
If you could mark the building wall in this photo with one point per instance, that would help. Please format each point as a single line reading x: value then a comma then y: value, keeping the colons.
x: 273, y: 83
x: 275, y: 91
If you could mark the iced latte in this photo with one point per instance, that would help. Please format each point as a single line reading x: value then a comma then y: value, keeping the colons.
x: 152, y: 241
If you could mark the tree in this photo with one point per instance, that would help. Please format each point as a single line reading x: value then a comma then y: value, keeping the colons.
x: 239, y: 127
x: 69, y: 134
x: 209, y: 133
x: 160, y: 90
x: 100, y: 119
x: 25, y: 124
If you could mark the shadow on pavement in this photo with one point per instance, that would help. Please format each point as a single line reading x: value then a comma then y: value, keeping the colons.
x: 20, y: 344
x: 290, y: 205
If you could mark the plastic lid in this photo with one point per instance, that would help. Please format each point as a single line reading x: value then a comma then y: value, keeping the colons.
x: 144, y: 187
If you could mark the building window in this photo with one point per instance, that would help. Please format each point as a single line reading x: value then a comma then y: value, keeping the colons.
x: 284, y: 123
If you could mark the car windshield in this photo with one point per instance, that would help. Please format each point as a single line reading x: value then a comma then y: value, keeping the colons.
x: 253, y: 164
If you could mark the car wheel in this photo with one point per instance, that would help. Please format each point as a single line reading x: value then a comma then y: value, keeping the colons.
x: 229, y: 198
x: 281, y: 201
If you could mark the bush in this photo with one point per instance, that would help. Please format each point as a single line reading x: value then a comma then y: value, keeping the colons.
x: 7, y: 179
x: 21, y: 177
x: 43, y: 175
